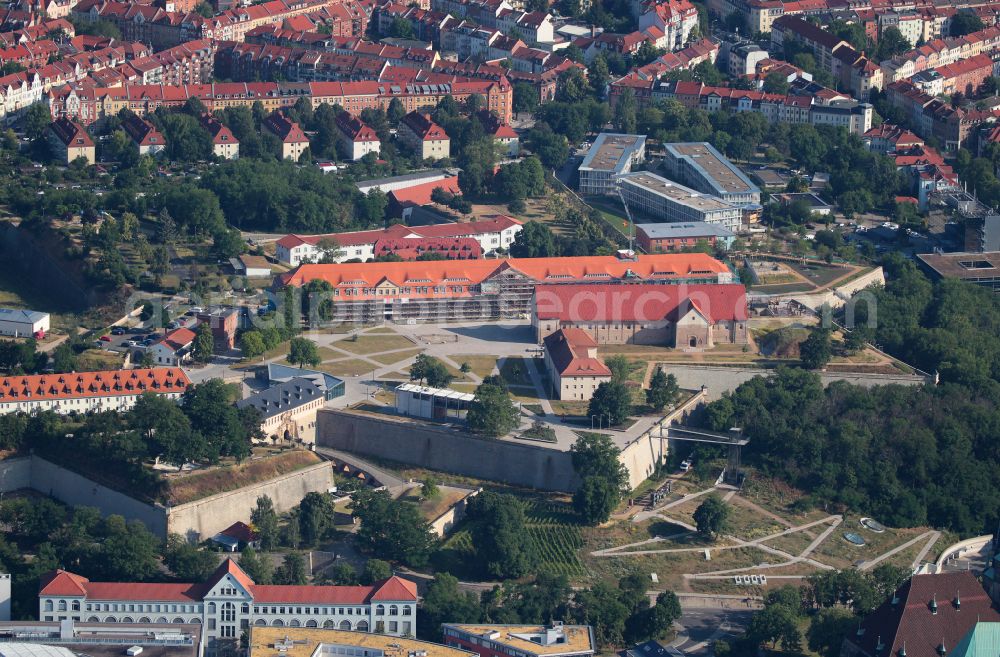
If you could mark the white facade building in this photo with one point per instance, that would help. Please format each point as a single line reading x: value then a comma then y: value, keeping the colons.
x: 655, y: 196
x: 23, y: 323
x: 108, y: 390
x: 230, y: 603
x: 492, y: 233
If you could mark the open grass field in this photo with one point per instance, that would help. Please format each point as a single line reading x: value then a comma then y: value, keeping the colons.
x: 98, y: 359
x: 482, y: 365
x: 370, y: 343
x: 395, y: 356
x: 198, y: 485
x: 348, y: 367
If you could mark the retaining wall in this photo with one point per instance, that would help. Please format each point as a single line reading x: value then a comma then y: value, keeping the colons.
x: 196, y: 520
x: 208, y: 516
x: 719, y: 379
x: 642, y: 455
x: 444, y: 522
x: 435, y: 448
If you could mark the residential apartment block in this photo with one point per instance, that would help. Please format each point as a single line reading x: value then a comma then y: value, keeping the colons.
x: 611, y: 156
x: 69, y: 140
x: 650, y: 195
x: 293, y: 141
x: 429, y: 140
x: 700, y: 166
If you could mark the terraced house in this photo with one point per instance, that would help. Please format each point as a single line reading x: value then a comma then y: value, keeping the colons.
x: 230, y: 602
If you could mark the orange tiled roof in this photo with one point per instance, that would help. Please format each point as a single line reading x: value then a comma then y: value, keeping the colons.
x: 106, y: 383
x: 472, y: 272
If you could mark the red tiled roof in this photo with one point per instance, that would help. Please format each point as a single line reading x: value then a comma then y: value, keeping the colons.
x: 178, y: 339
x: 105, y: 383
x: 61, y: 583
x: 421, y: 194
x: 543, y: 270
x: 286, y: 130
x: 455, y: 248
x: 569, y: 350
x: 241, y: 532
x: 912, y: 619
x: 395, y: 589
x: 630, y: 303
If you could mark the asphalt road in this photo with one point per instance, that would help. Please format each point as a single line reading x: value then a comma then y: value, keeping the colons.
x: 703, y: 626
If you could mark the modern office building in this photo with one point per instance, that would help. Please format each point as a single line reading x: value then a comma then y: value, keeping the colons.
x: 656, y: 197
x: 700, y: 166
x: 611, y: 156
x: 70, y: 638
x: 664, y: 237
x: 982, y: 269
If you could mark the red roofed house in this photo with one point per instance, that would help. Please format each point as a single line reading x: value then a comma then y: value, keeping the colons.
x: 680, y: 316
x: 147, y: 138
x: 230, y: 602
x: 293, y: 141
x: 237, y: 536
x: 69, y: 141
x: 108, y: 390
x: 929, y: 614
x: 419, y: 132
x: 357, y: 138
x: 501, y: 132
x: 174, y: 348
x: 224, y: 143
x: 572, y: 363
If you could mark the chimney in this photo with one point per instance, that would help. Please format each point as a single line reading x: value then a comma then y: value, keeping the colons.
x: 958, y: 601
x: 934, y: 605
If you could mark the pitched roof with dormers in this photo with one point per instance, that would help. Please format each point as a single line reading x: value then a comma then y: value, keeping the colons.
x: 106, y: 383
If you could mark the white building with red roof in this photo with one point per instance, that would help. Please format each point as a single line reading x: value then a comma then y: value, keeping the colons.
x: 491, y: 233
x: 357, y: 137
x: 419, y: 131
x: 224, y: 144
x: 107, y: 390
x: 174, y: 348
x: 229, y: 603
x: 572, y: 363
x: 293, y: 141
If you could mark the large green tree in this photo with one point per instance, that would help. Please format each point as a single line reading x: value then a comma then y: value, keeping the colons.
x: 492, y: 413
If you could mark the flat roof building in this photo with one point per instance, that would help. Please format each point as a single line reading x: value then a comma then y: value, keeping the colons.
x: 678, y: 235
x: 69, y: 638
x: 982, y: 269
x: 611, y: 156
x: 655, y: 196
x: 432, y: 403
x: 700, y: 166
x: 316, y: 642
x: 556, y: 640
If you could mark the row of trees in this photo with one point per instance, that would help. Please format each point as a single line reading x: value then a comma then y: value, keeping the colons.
x: 113, y: 446
x: 619, y: 614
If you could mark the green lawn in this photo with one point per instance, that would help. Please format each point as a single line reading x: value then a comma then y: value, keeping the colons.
x: 395, y: 356
x: 371, y: 343
x: 515, y: 371
x: 348, y: 367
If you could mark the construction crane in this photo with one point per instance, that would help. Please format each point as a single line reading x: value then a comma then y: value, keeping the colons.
x: 631, y: 221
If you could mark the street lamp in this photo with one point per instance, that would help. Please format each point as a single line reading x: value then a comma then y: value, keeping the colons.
x: 592, y: 422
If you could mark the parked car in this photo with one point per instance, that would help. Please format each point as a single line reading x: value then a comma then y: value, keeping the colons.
x: 117, y: 331
x: 686, y: 465
x: 105, y: 338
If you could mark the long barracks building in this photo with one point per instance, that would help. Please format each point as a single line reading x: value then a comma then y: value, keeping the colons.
x: 89, y: 104
x: 441, y: 291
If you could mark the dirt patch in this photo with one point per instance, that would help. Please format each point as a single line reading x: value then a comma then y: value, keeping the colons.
x: 198, y: 485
